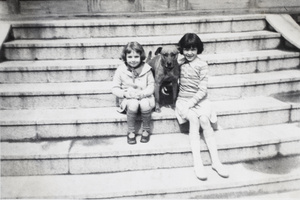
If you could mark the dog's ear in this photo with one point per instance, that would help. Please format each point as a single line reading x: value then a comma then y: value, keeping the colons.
x: 158, y: 50
x: 178, y: 49
x: 149, y: 57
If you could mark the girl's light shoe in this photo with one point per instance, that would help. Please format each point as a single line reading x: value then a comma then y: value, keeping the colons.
x: 200, y: 173
x: 221, y: 170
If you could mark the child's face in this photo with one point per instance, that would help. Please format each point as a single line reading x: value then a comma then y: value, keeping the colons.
x: 133, y: 59
x: 190, y: 53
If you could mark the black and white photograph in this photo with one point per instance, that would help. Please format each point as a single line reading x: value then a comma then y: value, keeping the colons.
x: 150, y: 99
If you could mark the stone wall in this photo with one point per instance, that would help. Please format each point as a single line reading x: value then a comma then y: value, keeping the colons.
x: 3, y: 8
x: 87, y: 7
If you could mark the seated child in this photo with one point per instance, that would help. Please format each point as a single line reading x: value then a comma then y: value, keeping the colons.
x: 134, y: 82
x: 193, y: 105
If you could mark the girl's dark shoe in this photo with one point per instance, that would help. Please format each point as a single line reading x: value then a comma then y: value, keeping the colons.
x: 145, y: 137
x: 131, y: 138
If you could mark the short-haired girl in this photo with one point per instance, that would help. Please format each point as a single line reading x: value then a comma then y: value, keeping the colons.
x: 134, y: 83
x: 193, y: 105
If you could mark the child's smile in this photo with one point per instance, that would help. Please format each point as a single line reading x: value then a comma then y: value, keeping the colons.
x: 133, y: 59
x: 190, y: 53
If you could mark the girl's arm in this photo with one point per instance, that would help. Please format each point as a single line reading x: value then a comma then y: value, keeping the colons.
x: 202, y: 87
x: 117, y: 84
x: 150, y: 84
x: 149, y: 90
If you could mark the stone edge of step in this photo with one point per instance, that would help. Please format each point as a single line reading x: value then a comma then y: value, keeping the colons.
x: 120, y: 41
x: 104, y: 87
x: 160, y: 144
x: 110, y: 114
x: 61, y: 65
x: 130, y: 21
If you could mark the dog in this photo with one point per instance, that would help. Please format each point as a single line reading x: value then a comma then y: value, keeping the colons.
x: 165, y: 68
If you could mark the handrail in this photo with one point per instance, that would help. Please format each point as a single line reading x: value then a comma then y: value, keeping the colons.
x: 4, y: 34
x: 287, y: 27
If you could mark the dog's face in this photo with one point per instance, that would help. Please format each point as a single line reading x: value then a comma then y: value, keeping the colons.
x: 169, y: 56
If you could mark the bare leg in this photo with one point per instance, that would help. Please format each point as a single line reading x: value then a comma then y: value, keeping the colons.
x: 209, y: 136
x: 194, y: 137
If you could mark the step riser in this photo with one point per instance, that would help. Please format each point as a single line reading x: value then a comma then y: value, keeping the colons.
x: 54, y: 76
x: 295, y: 113
x: 106, y: 74
x: 182, y: 159
x: 39, y: 166
x: 96, y: 129
x: 109, y: 100
x: 108, y: 52
x: 216, y: 69
x: 59, y: 101
x: 50, y: 31
x: 227, y: 93
x: 255, y: 119
x: 141, y: 162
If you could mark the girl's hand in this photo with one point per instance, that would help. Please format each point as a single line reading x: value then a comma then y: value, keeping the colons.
x: 129, y: 95
x: 140, y: 95
x: 134, y: 94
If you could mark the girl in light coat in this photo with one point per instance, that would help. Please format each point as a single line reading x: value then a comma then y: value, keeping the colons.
x: 134, y: 83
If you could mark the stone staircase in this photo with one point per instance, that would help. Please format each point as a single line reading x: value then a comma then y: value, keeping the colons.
x: 61, y: 136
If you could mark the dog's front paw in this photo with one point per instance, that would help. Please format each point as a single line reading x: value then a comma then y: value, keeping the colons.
x: 173, y: 106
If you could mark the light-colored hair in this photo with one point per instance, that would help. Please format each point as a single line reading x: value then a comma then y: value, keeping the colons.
x: 133, y: 46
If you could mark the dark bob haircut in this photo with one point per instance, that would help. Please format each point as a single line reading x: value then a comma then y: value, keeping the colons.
x: 190, y: 40
x: 133, y: 46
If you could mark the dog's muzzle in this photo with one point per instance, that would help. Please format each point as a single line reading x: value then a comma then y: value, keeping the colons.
x: 169, y: 66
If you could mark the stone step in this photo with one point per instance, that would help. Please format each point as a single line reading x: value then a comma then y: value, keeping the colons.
x: 105, y: 155
x: 107, y: 48
x: 20, y: 125
x: 256, y: 84
x: 98, y: 94
x: 103, y: 69
x: 249, y: 178
x: 58, y: 71
x: 251, y: 62
x: 143, y: 26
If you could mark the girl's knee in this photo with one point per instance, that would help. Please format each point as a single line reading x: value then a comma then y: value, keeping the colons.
x: 145, y: 105
x: 204, y: 122
x: 193, y: 117
x: 133, y: 105
x: 194, y: 123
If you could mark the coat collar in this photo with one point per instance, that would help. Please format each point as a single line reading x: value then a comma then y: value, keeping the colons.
x: 145, y: 69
